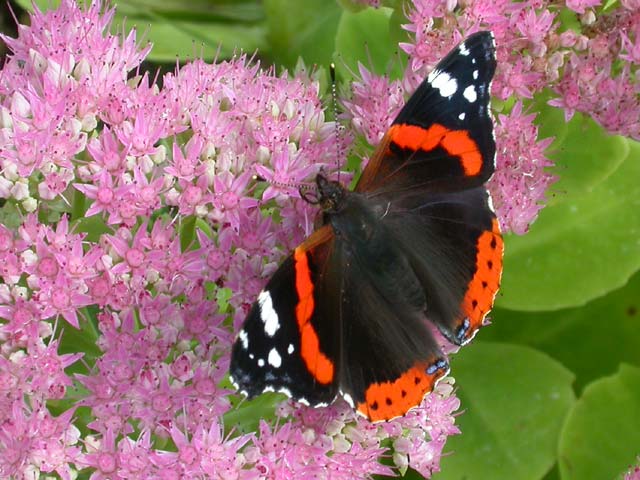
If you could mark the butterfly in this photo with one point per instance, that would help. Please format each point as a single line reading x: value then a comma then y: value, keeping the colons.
x: 416, y: 244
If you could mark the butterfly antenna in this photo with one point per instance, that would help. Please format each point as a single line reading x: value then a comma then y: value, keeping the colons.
x: 334, y: 104
x: 302, y: 188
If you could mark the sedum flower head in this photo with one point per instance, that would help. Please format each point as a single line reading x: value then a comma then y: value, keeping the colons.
x: 138, y: 230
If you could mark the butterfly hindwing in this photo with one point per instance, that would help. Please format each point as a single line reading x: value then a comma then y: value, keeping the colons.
x: 389, y: 359
x: 454, y: 246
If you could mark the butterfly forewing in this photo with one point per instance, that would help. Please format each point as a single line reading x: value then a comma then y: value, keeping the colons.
x: 279, y: 348
x: 442, y: 139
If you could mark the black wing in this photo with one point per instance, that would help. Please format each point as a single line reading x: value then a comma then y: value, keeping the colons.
x: 442, y: 140
x: 281, y: 346
x: 428, y: 176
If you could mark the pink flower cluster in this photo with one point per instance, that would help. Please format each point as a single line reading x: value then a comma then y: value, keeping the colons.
x: 135, y: 236
x: 591, y: 68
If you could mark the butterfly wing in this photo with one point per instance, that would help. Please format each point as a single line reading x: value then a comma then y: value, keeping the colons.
x: 429, y: 173
x: 389, y: 358
x: 442, y: 140
x: 282, y: 346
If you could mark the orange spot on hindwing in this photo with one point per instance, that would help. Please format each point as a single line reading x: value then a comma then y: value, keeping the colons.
x: 318, y: 364
x: 485, y: 283
x: 387, y: 400
x: 456, y: 143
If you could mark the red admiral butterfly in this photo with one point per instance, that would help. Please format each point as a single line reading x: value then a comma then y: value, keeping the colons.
x: 416, y: 240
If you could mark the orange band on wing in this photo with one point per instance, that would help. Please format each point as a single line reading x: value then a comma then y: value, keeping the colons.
x: 387, y: 400
x: 457, y: 143
x: 483, y: 286
x: 317, y: 362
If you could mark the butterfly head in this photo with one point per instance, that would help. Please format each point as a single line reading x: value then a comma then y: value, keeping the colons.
x: 331, y: 194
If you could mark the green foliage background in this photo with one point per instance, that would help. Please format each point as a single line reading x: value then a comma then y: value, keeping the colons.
x: 552, y: 389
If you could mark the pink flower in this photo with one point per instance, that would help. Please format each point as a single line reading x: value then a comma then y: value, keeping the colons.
x: 230, y: 197
x: 36, y: 441
x: 62, y: 298
x: 521, y: 179
x: 136, y: 256
x: 104, y: 193
x: 107, y: 153
x: 580, y: 6
x: 374, y: 105
x: 48, y: 366
x: 23, y: 326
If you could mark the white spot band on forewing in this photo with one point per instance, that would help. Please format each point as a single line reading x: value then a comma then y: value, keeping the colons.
x: 268, y: 314
x: 470, y: 93
x: 244, y: 339
x: 444, y: 83
x: 274, y: 358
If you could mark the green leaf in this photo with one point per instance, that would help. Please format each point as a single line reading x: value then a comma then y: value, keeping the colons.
x: 94, y: 226
x: 601, y: 437
x: 396, y: 32
x: 365, y: 37
x: 591, y: 340
x: 188, y: 39
x: 303, y: 28
x: 73, y: 340
x: 579, y: 249
x: 549, y: 120
x: 10, y: 215
x: 515, y: 399
x: 584, y: 155
x: 246, y: 416
x: 187, y: 232
x: 183, y: 30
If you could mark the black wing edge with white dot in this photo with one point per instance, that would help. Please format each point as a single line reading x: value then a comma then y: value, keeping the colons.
x: 457, y: 90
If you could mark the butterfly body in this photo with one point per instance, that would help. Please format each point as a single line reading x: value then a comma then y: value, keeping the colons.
x: 415, y: 244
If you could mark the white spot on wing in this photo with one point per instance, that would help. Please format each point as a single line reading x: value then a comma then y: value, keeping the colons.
x: 244, y: 339
x: 462, y: 115
x: 274, y: 358
x: 446, y: 84
x: 290, y: 349
x: 490, y: 202
x: 463, y: 50
x: 261, y: 362
x: 268, y: 314
x: 285, y: 390
x: 475, y: 74
x: 470, y: 93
